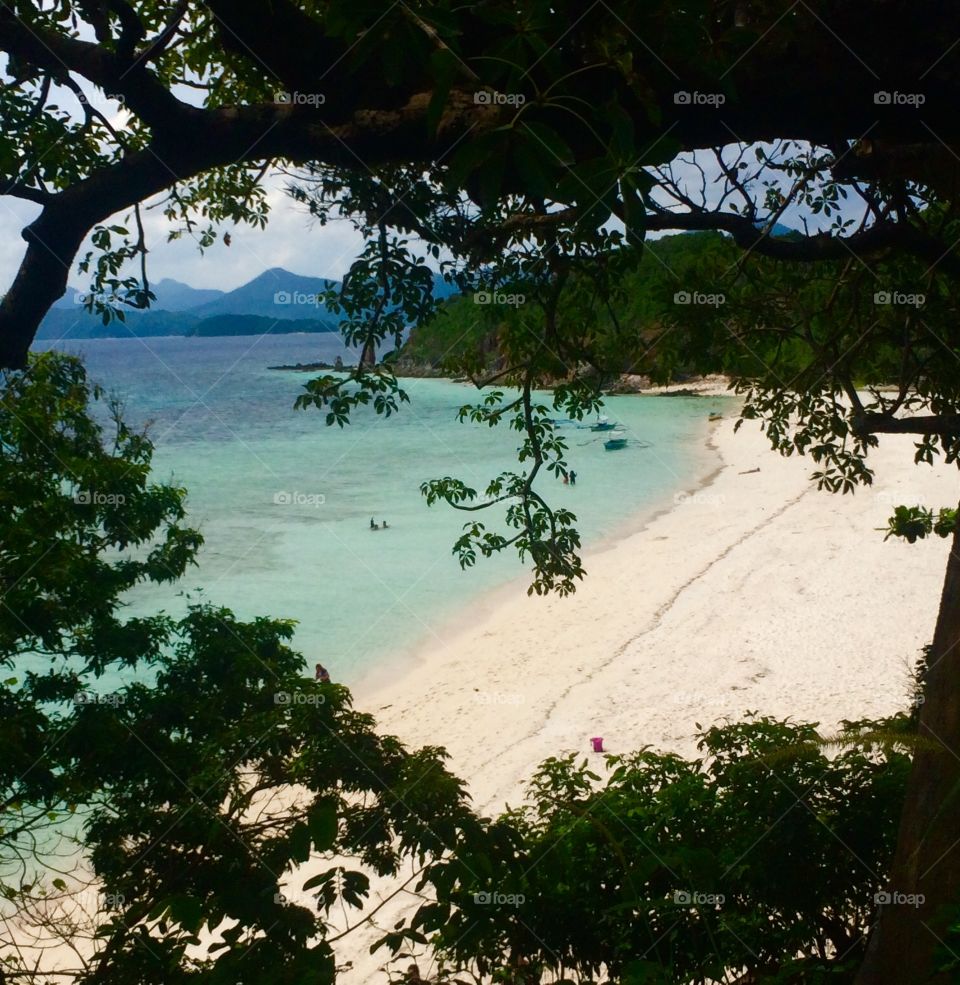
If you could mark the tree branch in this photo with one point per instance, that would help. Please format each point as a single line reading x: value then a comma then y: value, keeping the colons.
x: 944, y: 424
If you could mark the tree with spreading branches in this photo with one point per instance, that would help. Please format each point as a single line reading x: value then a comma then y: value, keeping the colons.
x: 530, y: 149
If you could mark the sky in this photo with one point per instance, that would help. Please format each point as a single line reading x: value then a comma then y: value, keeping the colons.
x: 292, y: 240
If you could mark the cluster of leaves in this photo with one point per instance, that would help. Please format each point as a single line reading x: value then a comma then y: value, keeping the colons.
x: 764, y: 858
x: 544, y: 535
x: 197, y: 791
x: 914, y: 523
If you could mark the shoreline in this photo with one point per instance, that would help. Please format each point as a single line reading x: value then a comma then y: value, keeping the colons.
x: 707, y: 464
x: 756, y: 593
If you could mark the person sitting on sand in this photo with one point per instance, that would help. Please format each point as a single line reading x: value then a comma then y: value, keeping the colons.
x: 322, y: 674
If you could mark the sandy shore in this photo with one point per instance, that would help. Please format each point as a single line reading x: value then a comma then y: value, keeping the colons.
x: 755, y: 592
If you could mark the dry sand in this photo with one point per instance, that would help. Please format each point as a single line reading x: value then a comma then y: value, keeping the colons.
x: 755, y: 592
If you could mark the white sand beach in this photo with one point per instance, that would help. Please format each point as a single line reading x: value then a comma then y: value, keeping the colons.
x: 755, y: 592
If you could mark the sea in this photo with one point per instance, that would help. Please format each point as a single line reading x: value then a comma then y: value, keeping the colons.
x: 285, y: 501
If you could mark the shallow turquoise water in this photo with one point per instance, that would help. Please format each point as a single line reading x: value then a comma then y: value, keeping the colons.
x: 285, y: 502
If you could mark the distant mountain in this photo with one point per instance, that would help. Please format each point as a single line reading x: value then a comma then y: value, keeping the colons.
x: 172, y: 295
x: 276, y: 293
x: 276, y: 301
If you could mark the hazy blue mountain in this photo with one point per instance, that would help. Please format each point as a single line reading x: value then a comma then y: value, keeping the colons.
x: 276, y: 293
x: 76, y: 323
x: 276, y: 301
x: 68, y: 300
x: 172, y: 295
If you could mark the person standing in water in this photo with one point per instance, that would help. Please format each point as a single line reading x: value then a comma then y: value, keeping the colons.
x: 573, y: 478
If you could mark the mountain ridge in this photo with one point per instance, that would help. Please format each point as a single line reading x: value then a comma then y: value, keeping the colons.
x: 276, y: 301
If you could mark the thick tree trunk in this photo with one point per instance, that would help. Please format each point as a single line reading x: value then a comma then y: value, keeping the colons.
x: 926, y: 867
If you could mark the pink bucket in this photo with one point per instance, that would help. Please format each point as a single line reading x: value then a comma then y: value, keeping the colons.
x: 597, y: 744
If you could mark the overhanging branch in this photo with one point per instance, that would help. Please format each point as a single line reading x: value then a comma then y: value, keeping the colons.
x: 942, y: 424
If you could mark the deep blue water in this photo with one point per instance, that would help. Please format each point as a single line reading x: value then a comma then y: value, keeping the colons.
x: 285, y: 502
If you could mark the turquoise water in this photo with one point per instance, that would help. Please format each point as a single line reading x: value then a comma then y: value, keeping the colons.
x: 285, y: 502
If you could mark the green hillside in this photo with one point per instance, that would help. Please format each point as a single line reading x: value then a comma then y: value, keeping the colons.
x: 466, y: 335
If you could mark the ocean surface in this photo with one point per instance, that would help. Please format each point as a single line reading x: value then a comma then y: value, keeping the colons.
x: 285, y: 501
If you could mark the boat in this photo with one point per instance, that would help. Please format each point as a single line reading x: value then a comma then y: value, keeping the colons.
x: 603, y: 424
x: 615, y: 443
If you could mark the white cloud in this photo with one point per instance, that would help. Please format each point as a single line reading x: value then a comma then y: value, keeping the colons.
x: 291, y: 240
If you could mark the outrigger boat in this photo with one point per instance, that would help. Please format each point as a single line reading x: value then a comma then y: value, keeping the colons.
x: 616, y: 442
x: 603, y: 424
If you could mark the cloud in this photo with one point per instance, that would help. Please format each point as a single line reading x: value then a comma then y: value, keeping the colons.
x: 291, y: 240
